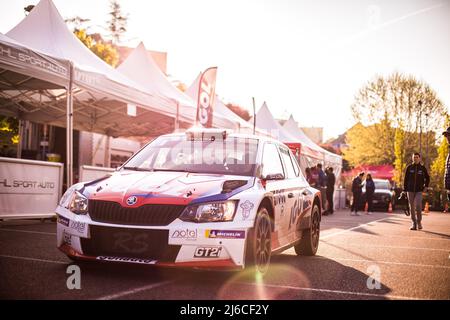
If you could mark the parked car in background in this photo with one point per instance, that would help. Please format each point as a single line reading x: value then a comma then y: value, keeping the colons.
x: 384, y: 194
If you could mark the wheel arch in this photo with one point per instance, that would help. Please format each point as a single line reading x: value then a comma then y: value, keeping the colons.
x: 317, y: 202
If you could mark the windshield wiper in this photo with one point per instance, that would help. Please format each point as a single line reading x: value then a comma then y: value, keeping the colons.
x: 174, y: 170
x: 137, y: 169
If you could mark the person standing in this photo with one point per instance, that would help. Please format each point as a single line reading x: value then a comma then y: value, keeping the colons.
x: 331, y: 181
x: 314, y: 177
x: 415, y: 182
x: 322, y: 184
x: 370, y: 190
x: 357, y: 184
x: 446, y: 134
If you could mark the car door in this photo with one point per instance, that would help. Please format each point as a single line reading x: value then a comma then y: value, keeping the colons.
x: 272, y: 165
x: 293, y: 189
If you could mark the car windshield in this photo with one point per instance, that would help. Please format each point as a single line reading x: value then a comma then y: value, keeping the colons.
x: 233, y: 156
x: 380, y: 184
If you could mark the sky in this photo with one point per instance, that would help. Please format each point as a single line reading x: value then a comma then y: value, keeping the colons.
x: 305, y: 58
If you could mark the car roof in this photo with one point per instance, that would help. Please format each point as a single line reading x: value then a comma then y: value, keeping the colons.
x: 231, y: 134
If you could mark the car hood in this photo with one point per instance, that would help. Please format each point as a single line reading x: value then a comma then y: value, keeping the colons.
x: 162, y: 187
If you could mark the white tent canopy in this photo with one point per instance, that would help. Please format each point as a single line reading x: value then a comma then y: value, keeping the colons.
x: 310, y: 150
x: 87, y: 94
x: 101, y: 93
x: 140, y: 67
x: 22, y: 68
x: 265, y: 122
x: 291, y: 126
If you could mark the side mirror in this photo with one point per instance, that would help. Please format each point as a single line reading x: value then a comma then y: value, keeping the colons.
x: 274, y: 176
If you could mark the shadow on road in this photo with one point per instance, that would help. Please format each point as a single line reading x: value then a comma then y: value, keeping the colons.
x: 447, y: 236
x: 289, y: 277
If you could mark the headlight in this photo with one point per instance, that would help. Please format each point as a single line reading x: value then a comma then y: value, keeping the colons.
x: 78, y: 203
x: 210, y: 212
x: 65, y: 199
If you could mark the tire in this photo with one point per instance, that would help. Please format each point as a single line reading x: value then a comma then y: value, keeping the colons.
x: 309, y: 243
x: 259, y: 243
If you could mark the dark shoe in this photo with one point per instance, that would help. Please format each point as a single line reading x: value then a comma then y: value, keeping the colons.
x: 413, y: 227
x: 419, y: 226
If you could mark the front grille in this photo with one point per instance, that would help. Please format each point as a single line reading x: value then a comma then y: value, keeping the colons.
x: 146, y: 215
x: 129, y: 242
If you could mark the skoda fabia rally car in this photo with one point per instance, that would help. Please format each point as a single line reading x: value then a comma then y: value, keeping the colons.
x: 202, y: 199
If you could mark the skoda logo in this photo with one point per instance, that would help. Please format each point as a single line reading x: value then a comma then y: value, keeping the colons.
x: 131, y: 200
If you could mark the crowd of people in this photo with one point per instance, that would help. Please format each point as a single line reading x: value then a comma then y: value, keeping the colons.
x: 416, y: 181
x: 325, y: 182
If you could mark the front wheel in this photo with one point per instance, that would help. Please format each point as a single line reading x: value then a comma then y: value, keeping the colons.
x: 309, y: 243
x: 259, y: 243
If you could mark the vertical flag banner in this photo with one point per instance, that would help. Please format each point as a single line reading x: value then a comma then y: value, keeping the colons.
x: 206, y: 95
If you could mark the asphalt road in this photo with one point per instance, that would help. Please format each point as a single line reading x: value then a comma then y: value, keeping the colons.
x: 353, y: 253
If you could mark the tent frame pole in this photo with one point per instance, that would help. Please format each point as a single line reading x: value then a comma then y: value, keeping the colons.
x: 177, y: 118
x: 69, y: 128
x: 254, y: 116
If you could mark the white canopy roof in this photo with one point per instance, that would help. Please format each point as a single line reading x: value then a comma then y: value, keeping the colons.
x: 101, y: 105
x: 266, y: 122
x: 291, y: 126
x: 140, y: 67
x: 21, y: 65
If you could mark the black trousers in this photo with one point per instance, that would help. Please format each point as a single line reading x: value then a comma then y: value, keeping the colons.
x: 369, y: 197
x: 356, y: 202
x: 330, y: 193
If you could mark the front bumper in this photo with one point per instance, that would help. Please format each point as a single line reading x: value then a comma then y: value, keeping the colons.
x: 179, y: 244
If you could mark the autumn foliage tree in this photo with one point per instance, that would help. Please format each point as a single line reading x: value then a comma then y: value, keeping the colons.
x: 240, y: 111
x: 372, y: 145
x: 103, y: 50
x: 438, y: 166
x: 394, y: 115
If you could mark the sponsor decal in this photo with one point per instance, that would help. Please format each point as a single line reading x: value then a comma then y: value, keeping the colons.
x: 63, y: 220
x: 131, y: 200
x: 225, y: 234
x: 295, y: 212
x: 246, y: 207
x: 207, y: 252
x: 131, y: 243
x: 27, y: 184
x: 125, y: 259
x: 186, y: 234
x: 279, y: 197
x: 80, y: 227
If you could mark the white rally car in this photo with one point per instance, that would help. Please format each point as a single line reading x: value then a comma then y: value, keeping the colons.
x: 203, y: 199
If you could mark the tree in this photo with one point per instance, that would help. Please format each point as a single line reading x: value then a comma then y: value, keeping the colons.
x: 403, y: 99
x: 117, y: 25
x: 372, y: 145
x: 410, y: 108
x: 240, y: 111
x: 104, y: 51
x: 438, y: 167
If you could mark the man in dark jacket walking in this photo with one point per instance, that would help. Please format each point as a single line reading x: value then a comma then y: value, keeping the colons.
x: 357, y: 184
x: 415, y: 182
x: 331, y: 181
